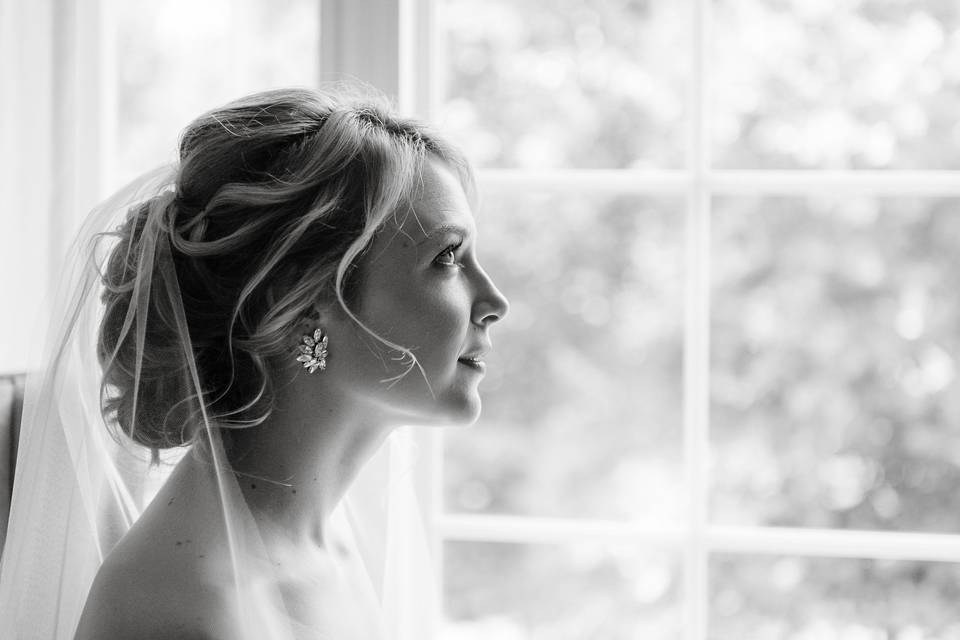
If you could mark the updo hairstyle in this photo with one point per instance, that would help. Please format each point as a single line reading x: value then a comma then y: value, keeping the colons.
x: 276, y: 198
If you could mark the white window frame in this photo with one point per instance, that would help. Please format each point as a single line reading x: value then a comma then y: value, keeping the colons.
x: 696, y: 538
x: 396, y: 46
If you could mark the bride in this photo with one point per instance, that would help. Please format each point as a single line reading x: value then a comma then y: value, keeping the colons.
x: 304, y: 281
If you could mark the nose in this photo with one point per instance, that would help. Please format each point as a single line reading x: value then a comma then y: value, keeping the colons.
x: 490, y: 305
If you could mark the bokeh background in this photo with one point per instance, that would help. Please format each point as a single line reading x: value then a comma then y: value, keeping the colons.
x: 833, y: 328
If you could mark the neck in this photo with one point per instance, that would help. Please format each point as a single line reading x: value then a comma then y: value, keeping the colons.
x: 294, y: 468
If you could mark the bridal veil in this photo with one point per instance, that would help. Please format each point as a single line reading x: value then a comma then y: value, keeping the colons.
x: 78, y: 489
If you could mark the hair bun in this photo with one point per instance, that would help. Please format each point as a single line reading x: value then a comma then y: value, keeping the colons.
x: 144, y: 387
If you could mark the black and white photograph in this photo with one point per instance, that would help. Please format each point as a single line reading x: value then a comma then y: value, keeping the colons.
x: 480, y: 319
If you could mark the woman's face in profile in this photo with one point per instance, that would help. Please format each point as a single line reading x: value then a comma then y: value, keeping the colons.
x: 423, y: 288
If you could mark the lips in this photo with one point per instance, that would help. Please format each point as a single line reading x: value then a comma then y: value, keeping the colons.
x: 476, y: 354
x: 474, y: 359
x: 477, y: 365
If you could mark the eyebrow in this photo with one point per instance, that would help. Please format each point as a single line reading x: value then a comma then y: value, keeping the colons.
x: 444, y: 229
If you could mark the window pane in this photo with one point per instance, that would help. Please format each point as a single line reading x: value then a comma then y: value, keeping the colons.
x: 582, y: 408
x: 865, y: 84
x: 574, y: 83
x: 568, y: 592
x: 177, y: 59
x: 835, y: 401
x: 792, y: 598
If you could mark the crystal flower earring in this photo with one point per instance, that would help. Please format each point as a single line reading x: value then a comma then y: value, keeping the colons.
x: 313, y: 351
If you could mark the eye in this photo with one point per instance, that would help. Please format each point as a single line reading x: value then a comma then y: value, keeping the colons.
x: 447, y: 257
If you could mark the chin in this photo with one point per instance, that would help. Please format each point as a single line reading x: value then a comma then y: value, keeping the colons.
x: 456, y: 403
x: 458, y: 411
x: 466, y: 418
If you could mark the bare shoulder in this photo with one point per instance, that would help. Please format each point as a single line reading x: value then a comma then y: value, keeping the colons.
x: 154, y: 595
x: 162, y: 578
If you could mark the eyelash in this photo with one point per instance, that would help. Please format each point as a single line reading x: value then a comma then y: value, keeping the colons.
x: 448, y: 250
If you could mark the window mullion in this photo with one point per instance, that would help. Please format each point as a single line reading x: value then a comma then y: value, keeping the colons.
x: 857, y: 182
x: 522, y: 529
x: 608, y: 181
x: 834, y: 543
x: 420, y: 58
x: 360, y: 40
x: 696, y: 334
x: 748, y: 540
x: 726, y: 182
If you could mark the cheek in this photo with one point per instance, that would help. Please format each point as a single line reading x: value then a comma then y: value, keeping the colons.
x: 430, y: 318
x: 438, y: 315
x: 435, y: 327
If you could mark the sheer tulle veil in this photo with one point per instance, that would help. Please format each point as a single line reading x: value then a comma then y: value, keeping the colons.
x: 78, y: 489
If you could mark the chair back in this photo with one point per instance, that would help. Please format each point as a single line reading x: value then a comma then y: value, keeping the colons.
x: 11, y: 410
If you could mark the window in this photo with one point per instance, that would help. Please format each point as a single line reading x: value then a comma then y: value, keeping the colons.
x: 723, y: 401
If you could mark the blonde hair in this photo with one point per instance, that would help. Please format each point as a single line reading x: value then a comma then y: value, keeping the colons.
x: 277, y: 197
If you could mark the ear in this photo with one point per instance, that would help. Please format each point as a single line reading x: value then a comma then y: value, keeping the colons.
x: 316, y: 315
x: 323, y: 314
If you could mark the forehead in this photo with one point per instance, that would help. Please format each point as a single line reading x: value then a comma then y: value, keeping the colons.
x: 438, y: 201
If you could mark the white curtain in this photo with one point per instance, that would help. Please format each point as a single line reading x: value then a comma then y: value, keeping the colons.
x: 54, y: 105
